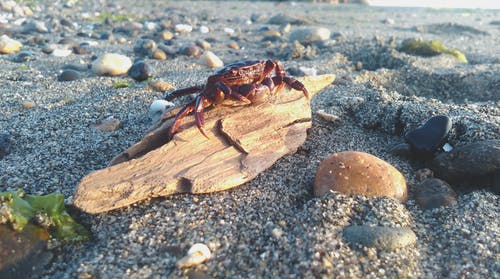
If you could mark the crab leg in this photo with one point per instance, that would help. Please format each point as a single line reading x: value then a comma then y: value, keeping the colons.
x: 181, y: 114
x: 297, y: 85
x: 199, y: 105
x: 226, y: 90
x: 183, y: 92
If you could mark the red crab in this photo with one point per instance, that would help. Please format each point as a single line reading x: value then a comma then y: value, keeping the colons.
x: 246, y: 81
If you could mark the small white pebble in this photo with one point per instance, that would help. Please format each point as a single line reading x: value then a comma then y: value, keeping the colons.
x: 111, y: 64
x: 61, y: 52
x: 204, y: 29
x: 197, y: 254
x: 327, y: 116
x: 229, y: 30
x: 183, y: 28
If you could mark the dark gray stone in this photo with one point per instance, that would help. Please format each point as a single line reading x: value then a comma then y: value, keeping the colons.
x: 433, y: 193
x: 468, y: 161
x: 427, y: 139
x: 384, y: 238
x: 69, y: 75
x: 139, y: 71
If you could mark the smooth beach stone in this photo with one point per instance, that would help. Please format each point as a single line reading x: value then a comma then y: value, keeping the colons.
x: 61, y: 52
x: 111, y: 64
x: 145, y: 47
x: 161, y: 86
x: 380, y: 237
x: 24, y: 56
x: 468, y: 161
x: 433, y: 193
x: 69, y: 75
x: 427, y: 139
x: 76, y: 67
x: 359, y: 173
x: 210, y: 59
x: 5, y: 144
x: 8, y: 45
x: 139, y: 71
x: 309, y: 34
x: 35, y: 26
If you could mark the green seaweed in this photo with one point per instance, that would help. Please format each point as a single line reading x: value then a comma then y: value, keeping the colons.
x: 18, y: 209
x: 430, y: 48
x: 121, y: 84
x: 113, y: 17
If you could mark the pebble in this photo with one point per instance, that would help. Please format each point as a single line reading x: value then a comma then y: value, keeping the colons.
x: 228, y: 30
x: 24, y: 56
x: 309, y: 35
x: 282, y: 19
x: 159, y: 55
x: 197, y: 254
x: 28, y: 104
x: 5, y: 144
x: 80, y: 49
x: 158, y: 108
x: 8, y: 45
x: 165, y: 35
x: 111, y: 64
x: 140, y: 71
x: 183, y: 28
x: 108, y: 124
x: 327, y: 116
x: 203, y: 44
x: 470, y: 161
x: 35, y: 26
x: 208, y: 58
x: 380, y: 237
x: 61, y: 52
x: 69, y: 75
x: 76, y: 66
x: 204, y: 29
x: 145, y: 47
x: 233, y: 45
x: 359, y: 173
x: 427, y: 139
x: 191, y: 50
x: 161, y: 86
x: 433, y: 193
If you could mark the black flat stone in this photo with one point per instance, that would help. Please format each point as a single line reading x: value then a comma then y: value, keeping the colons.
x: 427, y: 139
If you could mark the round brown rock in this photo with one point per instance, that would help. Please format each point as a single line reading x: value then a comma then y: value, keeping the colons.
x: 359, y: 173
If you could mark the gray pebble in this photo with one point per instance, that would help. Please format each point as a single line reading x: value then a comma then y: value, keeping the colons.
x: 309, y: 35
x: 69, y: 75
x: 384, y: 238
x: 35, y: 26
x: 433, y: 193
x: 139, y: 71
x: 24, y: 56
x: 145, y: 47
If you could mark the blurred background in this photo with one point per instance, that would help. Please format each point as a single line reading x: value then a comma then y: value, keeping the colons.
x: 462, y: 4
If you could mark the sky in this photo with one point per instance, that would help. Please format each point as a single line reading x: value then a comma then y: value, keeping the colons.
x: 467, y: 4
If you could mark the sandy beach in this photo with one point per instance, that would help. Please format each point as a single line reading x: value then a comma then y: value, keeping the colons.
x: 272, y: 226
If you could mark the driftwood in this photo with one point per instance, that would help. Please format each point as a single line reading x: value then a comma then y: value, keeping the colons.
x: 244, y: 141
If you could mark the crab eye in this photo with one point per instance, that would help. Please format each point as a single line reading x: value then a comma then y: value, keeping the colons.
x: 233, y: 71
